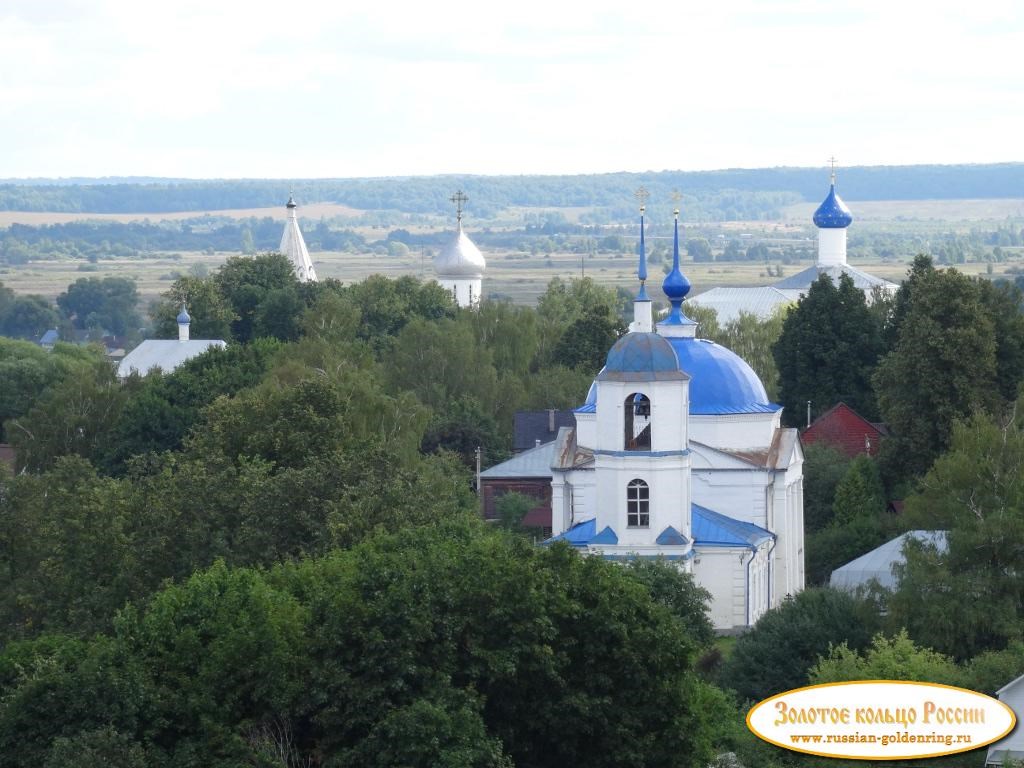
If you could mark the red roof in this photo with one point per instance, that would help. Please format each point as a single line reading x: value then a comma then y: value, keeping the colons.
x: 845, y: 430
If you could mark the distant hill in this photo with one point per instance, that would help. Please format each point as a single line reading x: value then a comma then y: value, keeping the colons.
x: 725, y: 194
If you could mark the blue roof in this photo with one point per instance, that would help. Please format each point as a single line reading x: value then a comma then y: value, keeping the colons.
x: 713, y: 529
x: 709, y: 528
x: 641, y: 356
x: 183, y: 317
x: 50, y: 337
x: 607, y: 536
x: 832, y: 213
x: 670, y: 536
x: 721, y: 382
x: 579, y: 535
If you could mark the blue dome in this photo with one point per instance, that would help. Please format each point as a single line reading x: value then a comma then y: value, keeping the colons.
x: 183, y: 316
x: 639, y: 356
x: 721, y: 382
x: 832, y: 213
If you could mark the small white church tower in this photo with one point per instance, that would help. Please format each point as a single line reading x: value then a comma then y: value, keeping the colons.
x: 832, y: 218
x: 294, y: 247
x: 460, y: 265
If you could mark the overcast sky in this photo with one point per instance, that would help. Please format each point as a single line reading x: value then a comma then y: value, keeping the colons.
x: 345, y: 88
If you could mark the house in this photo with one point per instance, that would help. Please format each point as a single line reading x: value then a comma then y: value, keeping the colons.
x: 166, y: 354
x: 527, y: 473
x: 533, y: 428
x: 847, y: 431
x: 1010, y: 747
x: 878, y: 565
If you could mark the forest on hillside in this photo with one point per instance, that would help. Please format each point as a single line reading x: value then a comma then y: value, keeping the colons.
x: 707, y: 195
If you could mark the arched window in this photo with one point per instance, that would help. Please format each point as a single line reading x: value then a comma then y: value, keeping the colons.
x: 637, y: 411
x: 638, y: 504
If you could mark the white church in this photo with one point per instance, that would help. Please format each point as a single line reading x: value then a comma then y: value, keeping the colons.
x: 678, y: 454
x: 832, y: 218
x: 460, y: 265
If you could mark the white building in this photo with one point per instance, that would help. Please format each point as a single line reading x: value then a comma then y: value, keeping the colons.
x: 1011, y: 747
x: 460, y: 265
x: 294, y: 246
x: 677, y: 453
x: 166, y: 354
x: 832, y: 219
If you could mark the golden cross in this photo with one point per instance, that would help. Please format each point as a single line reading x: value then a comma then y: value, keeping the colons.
x: 642, y: 194
x: 458, y: 198
x: 832, y: 162
x: 676, y: 197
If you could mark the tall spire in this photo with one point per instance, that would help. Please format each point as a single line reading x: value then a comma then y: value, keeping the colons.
x: 641, y: 272
x: 642, y: 314
x: 676, y: 286
x: 294, y: 246
x: 832, y: 218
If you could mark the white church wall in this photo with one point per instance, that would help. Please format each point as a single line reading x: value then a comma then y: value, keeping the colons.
x: 586, y: 429
x: 669, y: 411
x: 669, y: 494
x: 740, y: 494
x: 738, y: 432
x: 466, y: 290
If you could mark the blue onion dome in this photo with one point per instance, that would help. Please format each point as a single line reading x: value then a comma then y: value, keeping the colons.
x: 183, y: 316
x: 641, y: 357
x: 832, y: 213
x: 676, y: 286
x: 721, y: 382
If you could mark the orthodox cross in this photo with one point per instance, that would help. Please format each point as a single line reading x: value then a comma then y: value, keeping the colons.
x: 458, y: 198
x: 642, y: 194
x: 676, y: 197
x: 832, y: 162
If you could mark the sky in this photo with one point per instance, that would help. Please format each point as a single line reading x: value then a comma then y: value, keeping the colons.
x: 253, y: 89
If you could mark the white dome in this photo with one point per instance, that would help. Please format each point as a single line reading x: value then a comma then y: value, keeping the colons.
x: 460, y: 257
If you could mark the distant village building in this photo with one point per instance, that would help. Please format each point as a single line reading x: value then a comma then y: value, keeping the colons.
x: 294, y: 246
x: 847, y: 431
x: 878, y: 566
x: 832, y: 219
x: 166, y: 354
x: 677, y: 454
x: 533, y: 428
x: 460, y: 266
x: 528, y: 473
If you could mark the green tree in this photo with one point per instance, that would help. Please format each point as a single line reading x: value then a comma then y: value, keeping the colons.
x: 956, y: 351
x: 828, y: 349
x: 207, y: 306
x: 699, y: 249
x: 824, y: 468
x: 896, y: 658
x: 247, y: 282
x: 778, y: 653
x: 27, y: 317
x: 107, y: 303
x: 586, y: 341
x: 975, y: 491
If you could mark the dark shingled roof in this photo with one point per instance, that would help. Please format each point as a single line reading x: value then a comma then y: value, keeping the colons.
x: 530, y: 426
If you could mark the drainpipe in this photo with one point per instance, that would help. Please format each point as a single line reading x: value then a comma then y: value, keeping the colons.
x: 753, y: 554
x: 771, y: 569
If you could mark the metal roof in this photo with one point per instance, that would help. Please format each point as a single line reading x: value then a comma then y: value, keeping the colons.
x: 530, y: 426
x: 761, y: 301
x: 294, y: 246
x: 801, y: 281
x: 460, y: 257
x: 641, y: 357
x: 721, y: 382
x: 535, y: 462
x: 165, y: 354
x: 879, y: 562
x: 713, y: 529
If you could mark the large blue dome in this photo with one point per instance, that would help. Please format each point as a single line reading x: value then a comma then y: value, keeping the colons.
x: 832, y: 213
x: 721, y: 382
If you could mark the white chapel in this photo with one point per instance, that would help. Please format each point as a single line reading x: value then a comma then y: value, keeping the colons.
x: 294, y: 246
x: 460, y: 265
x: 677, y: 453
